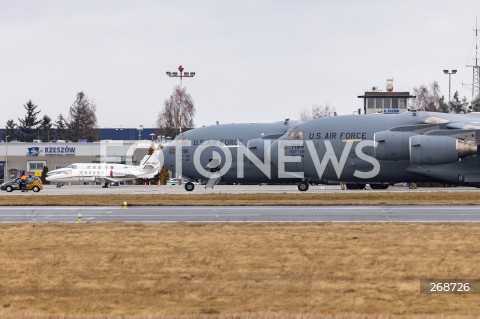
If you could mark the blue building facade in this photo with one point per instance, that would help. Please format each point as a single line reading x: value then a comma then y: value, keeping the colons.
x: 119, y: 134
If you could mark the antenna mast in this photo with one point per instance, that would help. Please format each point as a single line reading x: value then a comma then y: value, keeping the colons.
x: 476, y: 68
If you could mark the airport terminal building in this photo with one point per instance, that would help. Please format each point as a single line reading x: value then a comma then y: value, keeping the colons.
x: 115, y: 145
x: 31, y: 158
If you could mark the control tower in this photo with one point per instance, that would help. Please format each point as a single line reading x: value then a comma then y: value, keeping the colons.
x: 389, y: 102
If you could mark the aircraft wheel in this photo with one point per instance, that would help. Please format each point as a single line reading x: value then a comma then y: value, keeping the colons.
x: 302, y: 186
x: 351, y: 185
x: 355, y: 186
x: 9, y: 189
x: 36, y: 189
x: 189, y: 186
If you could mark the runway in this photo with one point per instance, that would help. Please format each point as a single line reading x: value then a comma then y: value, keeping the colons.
x: 167, y: 214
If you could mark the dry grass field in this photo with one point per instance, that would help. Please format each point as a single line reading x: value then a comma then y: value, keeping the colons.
x: 314, y: 199
x: 195, y: 270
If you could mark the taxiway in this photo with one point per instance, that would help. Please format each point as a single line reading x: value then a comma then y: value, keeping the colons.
x: 219, y: 189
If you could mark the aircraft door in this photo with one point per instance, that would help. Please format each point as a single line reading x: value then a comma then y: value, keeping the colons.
x: 293, y: 150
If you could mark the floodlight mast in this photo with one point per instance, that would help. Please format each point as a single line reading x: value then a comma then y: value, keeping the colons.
x: 181, y: 76
x: 449, y: 83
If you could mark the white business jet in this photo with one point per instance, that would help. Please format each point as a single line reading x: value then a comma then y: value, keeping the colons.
x: 106, y: 172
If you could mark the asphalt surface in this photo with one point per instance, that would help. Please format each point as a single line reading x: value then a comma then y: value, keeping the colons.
x: 243, y: 214
x: 219, y: 189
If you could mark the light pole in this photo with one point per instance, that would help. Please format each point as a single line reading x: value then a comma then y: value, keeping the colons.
x: 449, y: 83
x: 6, y: 174
x: 152, y: 135
x: 140, y: 129
x: 181, y: 76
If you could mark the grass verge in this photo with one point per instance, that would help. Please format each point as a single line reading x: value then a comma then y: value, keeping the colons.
x: 357, y: 198
x: 197, y: 270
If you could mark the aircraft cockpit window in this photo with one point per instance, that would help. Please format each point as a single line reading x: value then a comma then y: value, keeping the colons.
x: 296, y: 135
x: 72, y: 166
x: 183, y: 140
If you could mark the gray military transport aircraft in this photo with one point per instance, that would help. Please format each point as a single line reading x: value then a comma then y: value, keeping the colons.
x: 210, y: 153
x: 356, y: 149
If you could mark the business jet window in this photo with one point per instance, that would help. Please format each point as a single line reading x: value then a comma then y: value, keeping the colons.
x: 94, y: 167
x: 111, y: 167
x: 296, y: 135
x: 88, y: 167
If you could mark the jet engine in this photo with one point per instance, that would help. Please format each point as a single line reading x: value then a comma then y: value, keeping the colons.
x: 432, y: 149
x: 392, y: 145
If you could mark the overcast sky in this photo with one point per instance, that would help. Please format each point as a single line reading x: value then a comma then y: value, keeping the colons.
x: 255, y: 61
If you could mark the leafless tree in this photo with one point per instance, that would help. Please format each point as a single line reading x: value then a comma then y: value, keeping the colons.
x: 316, y: 111
x: 169, y: 121
x: 428, y: 98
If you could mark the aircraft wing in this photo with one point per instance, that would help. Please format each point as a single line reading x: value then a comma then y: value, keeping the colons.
x: 464, y: 126
x: 455, y: 124
x: 436, y: 126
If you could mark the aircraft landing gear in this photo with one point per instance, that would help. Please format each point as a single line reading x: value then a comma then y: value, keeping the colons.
x: 189, y: 186
x: 105, y: 185
x: 355, y: 186
x: 379, y: 186
x: 302, y: 186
